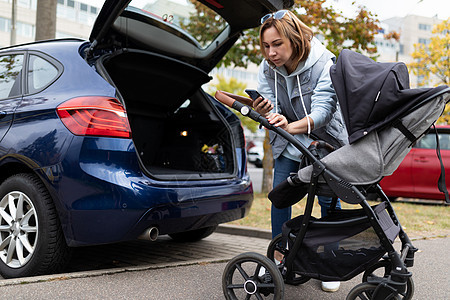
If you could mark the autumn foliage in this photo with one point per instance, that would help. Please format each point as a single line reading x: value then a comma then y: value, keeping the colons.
x: 432, y: 61
x: 336, y: 30
x: 434, y: 57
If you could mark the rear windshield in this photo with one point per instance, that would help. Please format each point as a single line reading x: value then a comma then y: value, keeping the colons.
x: 192, y: 17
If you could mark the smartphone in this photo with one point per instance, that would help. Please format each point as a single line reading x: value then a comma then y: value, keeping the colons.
x: 253, y: 94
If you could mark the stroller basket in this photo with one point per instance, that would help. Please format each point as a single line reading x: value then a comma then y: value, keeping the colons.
x: 340, y: 246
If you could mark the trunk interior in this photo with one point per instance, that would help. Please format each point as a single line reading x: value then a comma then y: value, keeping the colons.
x: 177, y: 132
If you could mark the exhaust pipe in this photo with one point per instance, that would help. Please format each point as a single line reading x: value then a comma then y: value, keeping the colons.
x: 150, y: 234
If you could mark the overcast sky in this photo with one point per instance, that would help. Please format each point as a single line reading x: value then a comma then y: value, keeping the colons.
x: 398, y: 8
x: 383, y: 8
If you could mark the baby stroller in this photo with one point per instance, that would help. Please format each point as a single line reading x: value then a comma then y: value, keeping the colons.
x: 383, y: 118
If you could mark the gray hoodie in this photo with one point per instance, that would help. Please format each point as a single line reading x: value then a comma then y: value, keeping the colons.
x: 317, y: 101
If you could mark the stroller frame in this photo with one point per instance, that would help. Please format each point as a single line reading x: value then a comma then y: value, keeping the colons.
x: 397, y: 281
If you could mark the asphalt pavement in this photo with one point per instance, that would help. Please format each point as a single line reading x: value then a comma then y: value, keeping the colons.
x: 168, y: 270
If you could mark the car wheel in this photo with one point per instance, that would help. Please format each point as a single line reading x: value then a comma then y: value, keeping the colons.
x: 31, y: 239
x: 259, y: 163
x: 193, y: 235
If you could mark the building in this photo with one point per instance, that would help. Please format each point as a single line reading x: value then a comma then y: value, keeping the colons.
x: 413, y: 29
x: 74, y: 19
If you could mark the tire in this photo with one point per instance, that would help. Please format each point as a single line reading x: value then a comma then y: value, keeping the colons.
x: 31, y: 239
x: 258, y: 163
x: 193, y: 235
x: 242, y: 279
x: 382, y: 269
x: 276, y: 245
x: 364, y: 291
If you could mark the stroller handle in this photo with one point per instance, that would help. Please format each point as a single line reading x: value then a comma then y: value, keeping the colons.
x: 233, y: 101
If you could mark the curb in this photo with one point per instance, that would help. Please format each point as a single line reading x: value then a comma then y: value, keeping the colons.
x: 267, y: 234
x: 102, y: 272
x: 244, y: 231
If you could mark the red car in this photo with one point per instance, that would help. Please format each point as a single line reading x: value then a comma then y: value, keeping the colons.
x: 418, y: 174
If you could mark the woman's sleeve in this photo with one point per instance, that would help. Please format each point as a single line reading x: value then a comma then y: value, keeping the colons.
x: 323, y: 99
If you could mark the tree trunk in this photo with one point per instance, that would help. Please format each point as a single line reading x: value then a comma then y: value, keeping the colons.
x: 267, y: 180
x: 45, y: 19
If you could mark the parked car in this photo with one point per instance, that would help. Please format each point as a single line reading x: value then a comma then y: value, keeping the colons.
x: 113, y: 139
x: 418, y: 174
x: 255, y: 153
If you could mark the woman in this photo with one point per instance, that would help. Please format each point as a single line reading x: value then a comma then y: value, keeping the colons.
x: 299, y: 97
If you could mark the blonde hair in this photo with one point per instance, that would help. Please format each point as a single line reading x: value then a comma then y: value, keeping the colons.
x: 293, y: 29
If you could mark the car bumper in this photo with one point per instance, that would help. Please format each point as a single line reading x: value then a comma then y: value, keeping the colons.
x: 105, y: 198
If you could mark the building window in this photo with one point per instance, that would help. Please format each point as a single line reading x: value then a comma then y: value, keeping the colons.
x: 424, y: 41
x: 425, y: 27
x: 5, y: 25
x: 83, y: 7
x: 24, y: 29
x: 24, y: 3
x: 71, y: 3
x: 93, y: 10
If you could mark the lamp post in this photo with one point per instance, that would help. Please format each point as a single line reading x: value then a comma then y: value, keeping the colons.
x: 13, y: 22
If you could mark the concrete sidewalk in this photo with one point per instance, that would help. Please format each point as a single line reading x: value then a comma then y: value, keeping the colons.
x: 168, y: 270
x: 223, y: 245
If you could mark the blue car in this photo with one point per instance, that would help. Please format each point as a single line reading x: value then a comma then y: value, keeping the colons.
x: 114, y: 139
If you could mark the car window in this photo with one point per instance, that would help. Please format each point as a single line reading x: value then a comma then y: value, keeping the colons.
x: 429, y: 141
x: 444, y: 141
x: 199, y: 21
x: 40, y: 73
x: 10, y: 70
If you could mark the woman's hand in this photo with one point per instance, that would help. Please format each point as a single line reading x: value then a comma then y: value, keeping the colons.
x: 262, y: 106
x: 278, y: 120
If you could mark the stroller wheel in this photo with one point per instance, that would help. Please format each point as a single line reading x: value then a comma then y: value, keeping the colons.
x: 276, y: 245
x: 251, y: 274
x: 362, y: 291
x: 382, y: 269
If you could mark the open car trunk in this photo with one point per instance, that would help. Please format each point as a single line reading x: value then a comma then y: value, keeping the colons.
x: 177, y: 131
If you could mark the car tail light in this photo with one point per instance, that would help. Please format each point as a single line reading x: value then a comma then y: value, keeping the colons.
x: 95, y: 116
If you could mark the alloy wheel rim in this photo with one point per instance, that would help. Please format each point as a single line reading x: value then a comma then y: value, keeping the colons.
x: 18, y: 229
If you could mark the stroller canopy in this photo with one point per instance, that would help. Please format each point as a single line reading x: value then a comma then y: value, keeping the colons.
x: 371, y: 94
x: 383, y: 117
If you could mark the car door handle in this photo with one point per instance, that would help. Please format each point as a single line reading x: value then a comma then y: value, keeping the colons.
x: 421, y: 159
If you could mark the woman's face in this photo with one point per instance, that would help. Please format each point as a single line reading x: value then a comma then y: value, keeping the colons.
x: 277, y: 49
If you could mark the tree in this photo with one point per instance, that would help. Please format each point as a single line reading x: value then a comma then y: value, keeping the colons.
x: 235, y: 87
x: 445, y: 118
x: 45, y: 19
x: 338, y: 32
x: 434, y: 59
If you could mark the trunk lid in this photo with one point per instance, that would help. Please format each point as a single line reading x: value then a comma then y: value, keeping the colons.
x: 164, y: 27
